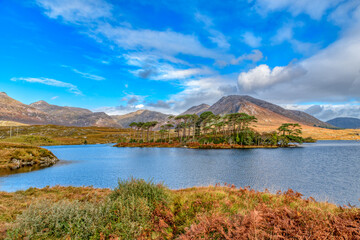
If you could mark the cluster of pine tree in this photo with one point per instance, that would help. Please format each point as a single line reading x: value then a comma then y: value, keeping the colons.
x: 233, y: 128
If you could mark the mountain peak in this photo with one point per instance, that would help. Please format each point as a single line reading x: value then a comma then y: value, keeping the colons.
x: 345, y: 122
x: 3, y: 93
x: 197, y: 109
x: 41, y: 102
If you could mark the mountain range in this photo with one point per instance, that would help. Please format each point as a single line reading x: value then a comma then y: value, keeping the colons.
x: 345, y: 122
x: 42, y: 112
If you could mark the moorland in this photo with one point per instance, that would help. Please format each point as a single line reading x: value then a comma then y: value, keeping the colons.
x: 139, y: 209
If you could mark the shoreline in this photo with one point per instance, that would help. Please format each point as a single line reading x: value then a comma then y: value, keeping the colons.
x: 192, y: 146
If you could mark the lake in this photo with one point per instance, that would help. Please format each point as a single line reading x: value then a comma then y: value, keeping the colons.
x: 326, y: 170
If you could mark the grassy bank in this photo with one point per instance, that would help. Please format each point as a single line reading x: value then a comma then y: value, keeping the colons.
x: 20, y: 157
x: 46, y: 135
x: 141, y: 210
x: 19, y: 151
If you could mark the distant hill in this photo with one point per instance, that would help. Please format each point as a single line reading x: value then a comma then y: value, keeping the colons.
x: 140, y: 116
x: 72, y: 116
x: 13, y: 110
x: 345, y: 122
x: 267, y: 113
x: 197, y: 109
x: 43, y: 113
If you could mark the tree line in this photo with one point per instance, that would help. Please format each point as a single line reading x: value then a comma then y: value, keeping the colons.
x: 233, y: 128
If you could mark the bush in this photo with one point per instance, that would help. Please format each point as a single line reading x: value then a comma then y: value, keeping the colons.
x: 127, y: 214
x: 37, y: 139
x: 139, y: 188
x: 47, y: 219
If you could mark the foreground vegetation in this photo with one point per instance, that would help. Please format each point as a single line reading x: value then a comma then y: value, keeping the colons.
x: 137, y: 209
x: 19, y: 157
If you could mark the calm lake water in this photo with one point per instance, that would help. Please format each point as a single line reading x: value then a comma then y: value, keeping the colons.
x: 327, y: 170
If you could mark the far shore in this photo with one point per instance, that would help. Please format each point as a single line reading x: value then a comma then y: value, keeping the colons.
x: 192, y: 145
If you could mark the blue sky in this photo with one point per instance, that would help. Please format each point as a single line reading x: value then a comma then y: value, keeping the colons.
x: 120, y: 56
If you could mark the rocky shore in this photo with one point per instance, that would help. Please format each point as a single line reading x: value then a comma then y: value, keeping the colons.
x: 15, y: 157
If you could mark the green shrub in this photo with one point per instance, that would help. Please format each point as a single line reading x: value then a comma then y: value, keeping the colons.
x: 37, y: 139
x: 126, y: 214
x: 139, y: 188
x: 47, y: 219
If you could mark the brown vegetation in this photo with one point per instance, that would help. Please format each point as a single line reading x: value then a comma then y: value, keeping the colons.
x: 140, y: 210
x: 13, y: 204
x: 46, y: 135
x: 17, y: 156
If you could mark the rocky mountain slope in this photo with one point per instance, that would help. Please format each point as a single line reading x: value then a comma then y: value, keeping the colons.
x: 140, y: 116
x: 266, y: 112
x: 345, y: 122
x: 197, y: 109
x: 44, y: 113
x: 13, y: 110
x: 71, y: 116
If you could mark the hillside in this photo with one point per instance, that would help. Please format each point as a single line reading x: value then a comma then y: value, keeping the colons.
x: 72, y: 116
x: 197, y: 109
x: 13, y: 110
x: 266, y: 112
x: 140, y: 116
x: 345, y: 122
x: 42, y: 113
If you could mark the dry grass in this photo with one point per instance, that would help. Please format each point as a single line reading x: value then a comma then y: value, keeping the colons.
x: 10, y: 123
x: 216, y: 212
x: 13, y: 156
x: 318, y: 133
x: 12, y: 204
x: 40, y: 135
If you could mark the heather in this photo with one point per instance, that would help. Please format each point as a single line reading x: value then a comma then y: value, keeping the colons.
x: 139, y: 209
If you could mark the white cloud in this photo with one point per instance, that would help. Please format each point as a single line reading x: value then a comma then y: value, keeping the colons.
x: 314, y: 8
x: 50, y: 82
x: 203, y: 90
x: 86, y: 75
x: 286, y: 34
x: 327, y: 112
x: 76, y: 11
x: 151, y: 67
x: 216, y: 36
x: 332, y: 75
x: 250, y: 39
x: 262, y: 76
x: 55, y: 97
x: 168, y: 73
x: 254, y: 56
x: 165, y: 42
x: 94, y: 15
x: 89, y: 75
x: 139, y: 106
x: 346, y: 12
